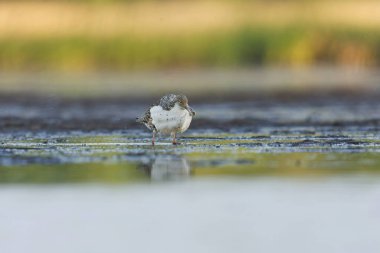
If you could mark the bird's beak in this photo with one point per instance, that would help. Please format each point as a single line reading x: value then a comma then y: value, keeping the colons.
x: 192, y: 113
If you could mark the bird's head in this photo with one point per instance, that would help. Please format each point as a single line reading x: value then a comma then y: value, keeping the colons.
x: 184, y: 103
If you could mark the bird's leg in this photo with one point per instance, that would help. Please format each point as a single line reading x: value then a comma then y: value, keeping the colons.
x: 174, y: 139
x: 153, y: 137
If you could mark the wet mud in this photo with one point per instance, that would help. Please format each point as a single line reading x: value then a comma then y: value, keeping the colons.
x: 58, y: 140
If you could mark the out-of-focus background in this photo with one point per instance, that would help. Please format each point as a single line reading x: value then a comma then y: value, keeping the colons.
x: 114, y: 47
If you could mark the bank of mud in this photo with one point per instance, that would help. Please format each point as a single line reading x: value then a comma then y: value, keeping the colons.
x: 246, y: 112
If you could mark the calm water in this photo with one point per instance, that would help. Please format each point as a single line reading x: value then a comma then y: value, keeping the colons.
x: 300, y: 177
x: 209, y: 215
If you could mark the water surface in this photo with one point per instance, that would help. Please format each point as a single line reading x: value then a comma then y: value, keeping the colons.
x: 297, y: 176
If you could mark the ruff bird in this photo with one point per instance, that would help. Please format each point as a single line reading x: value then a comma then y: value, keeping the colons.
x: 171, y: 115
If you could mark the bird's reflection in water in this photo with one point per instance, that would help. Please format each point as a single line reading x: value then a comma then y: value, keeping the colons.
x: 167, y: 168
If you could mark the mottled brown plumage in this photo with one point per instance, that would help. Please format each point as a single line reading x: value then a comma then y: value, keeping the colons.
x: 168, y: 114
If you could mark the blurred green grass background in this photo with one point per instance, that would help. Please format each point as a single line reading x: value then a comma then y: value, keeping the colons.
x: 90, y: 35
x: 248, y: 46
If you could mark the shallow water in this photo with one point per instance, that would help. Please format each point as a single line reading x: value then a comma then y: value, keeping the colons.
x: 300, y: 177
x: 109, y: 158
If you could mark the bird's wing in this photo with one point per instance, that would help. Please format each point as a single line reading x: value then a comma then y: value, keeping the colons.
x: 146, y: 117
x: 167, y: 102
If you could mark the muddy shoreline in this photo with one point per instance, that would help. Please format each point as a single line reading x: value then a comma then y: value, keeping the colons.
x: 48, y: 136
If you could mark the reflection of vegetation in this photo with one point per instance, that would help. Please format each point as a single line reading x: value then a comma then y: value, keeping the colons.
x: 250, y: 46
x: 203, y: 164
x: 71, y: 173
x: 290, y: 164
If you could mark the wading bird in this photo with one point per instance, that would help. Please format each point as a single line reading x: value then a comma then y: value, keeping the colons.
x: 171, y: 115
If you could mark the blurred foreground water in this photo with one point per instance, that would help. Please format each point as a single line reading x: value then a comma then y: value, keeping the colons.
x: 339, y: 214
x: 290, y: 173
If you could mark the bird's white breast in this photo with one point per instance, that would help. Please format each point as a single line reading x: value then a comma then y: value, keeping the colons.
x: 175, y: 120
